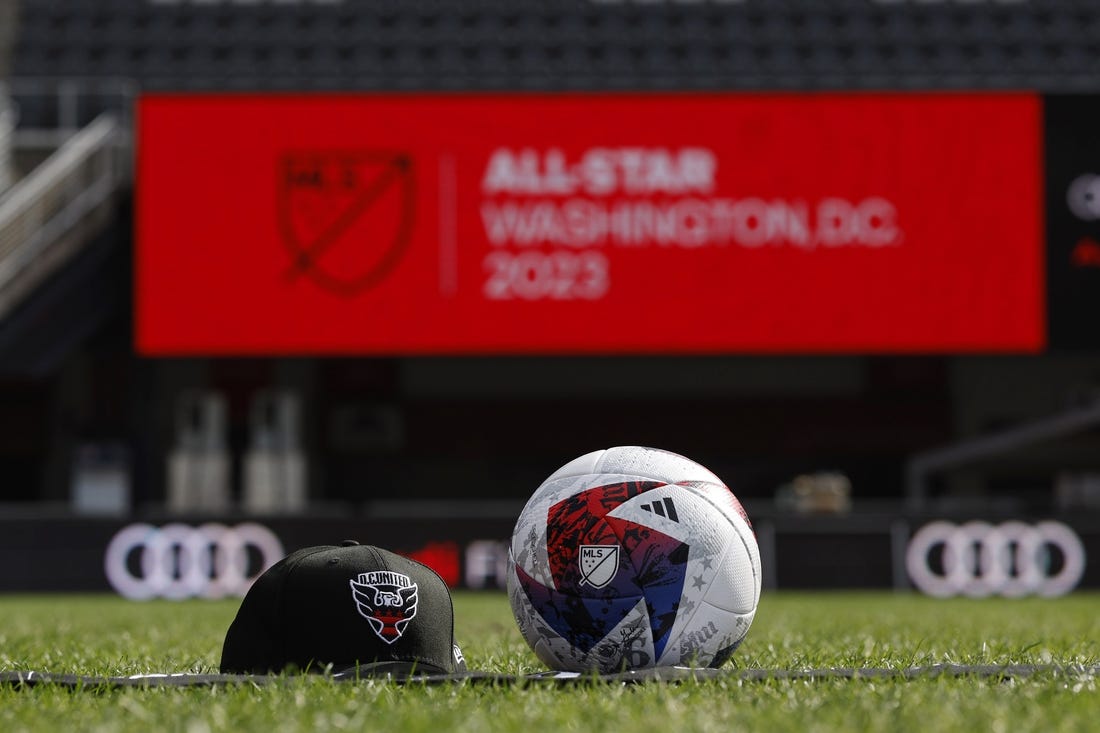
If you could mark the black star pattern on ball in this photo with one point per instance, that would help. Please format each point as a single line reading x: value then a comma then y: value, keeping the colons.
x: 697, y: 582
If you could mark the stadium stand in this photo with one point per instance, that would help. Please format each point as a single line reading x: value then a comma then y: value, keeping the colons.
x: 607, y: 44
x: 75, y: 60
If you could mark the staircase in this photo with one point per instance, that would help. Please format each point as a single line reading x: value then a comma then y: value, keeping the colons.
x: 50, y: 214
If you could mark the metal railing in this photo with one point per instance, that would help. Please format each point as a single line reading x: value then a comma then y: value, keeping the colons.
x: 57, y: 108
x: 48, y: 215
x: 7, y: 127
x: 923, y: 466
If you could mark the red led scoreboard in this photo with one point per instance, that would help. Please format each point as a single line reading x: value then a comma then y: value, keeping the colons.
x: 464, y: 224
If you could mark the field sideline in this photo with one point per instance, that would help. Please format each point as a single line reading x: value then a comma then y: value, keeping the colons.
x: 103, y: 635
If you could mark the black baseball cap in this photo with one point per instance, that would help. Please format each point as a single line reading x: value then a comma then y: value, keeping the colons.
x: 349, y: 609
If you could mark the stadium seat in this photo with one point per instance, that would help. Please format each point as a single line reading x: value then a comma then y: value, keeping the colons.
x: 489, y: 44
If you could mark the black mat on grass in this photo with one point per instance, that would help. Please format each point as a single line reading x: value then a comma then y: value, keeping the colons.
x: 26, y: 679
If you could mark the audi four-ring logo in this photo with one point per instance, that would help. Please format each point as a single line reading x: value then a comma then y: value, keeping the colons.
x: 180, y: 561
x: 1009, y: 559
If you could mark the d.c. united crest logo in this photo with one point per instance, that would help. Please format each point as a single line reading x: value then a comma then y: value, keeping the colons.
x: 346, y: 217
x: 387, y: 601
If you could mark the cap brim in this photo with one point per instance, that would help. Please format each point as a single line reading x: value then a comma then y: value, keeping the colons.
x: 398, y: 670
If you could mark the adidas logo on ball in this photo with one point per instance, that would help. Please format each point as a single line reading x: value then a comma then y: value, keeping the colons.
x: 664, y: 508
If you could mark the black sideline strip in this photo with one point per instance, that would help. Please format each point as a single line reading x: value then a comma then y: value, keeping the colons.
x: 661, y: 674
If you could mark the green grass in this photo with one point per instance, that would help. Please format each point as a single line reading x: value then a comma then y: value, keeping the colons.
x: 100, y: 635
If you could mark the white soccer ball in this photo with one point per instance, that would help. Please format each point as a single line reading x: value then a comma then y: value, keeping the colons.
x: 633, y: 557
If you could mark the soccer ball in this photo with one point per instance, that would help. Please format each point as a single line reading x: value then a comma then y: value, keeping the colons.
x: 633, y: 557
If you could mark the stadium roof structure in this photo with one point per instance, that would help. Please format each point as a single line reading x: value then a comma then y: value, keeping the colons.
x: 1048, y: 46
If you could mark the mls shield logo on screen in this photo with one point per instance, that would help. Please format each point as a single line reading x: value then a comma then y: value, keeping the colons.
x: 387, y: 601
x: 346, y: 217
x: 599, y: 564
